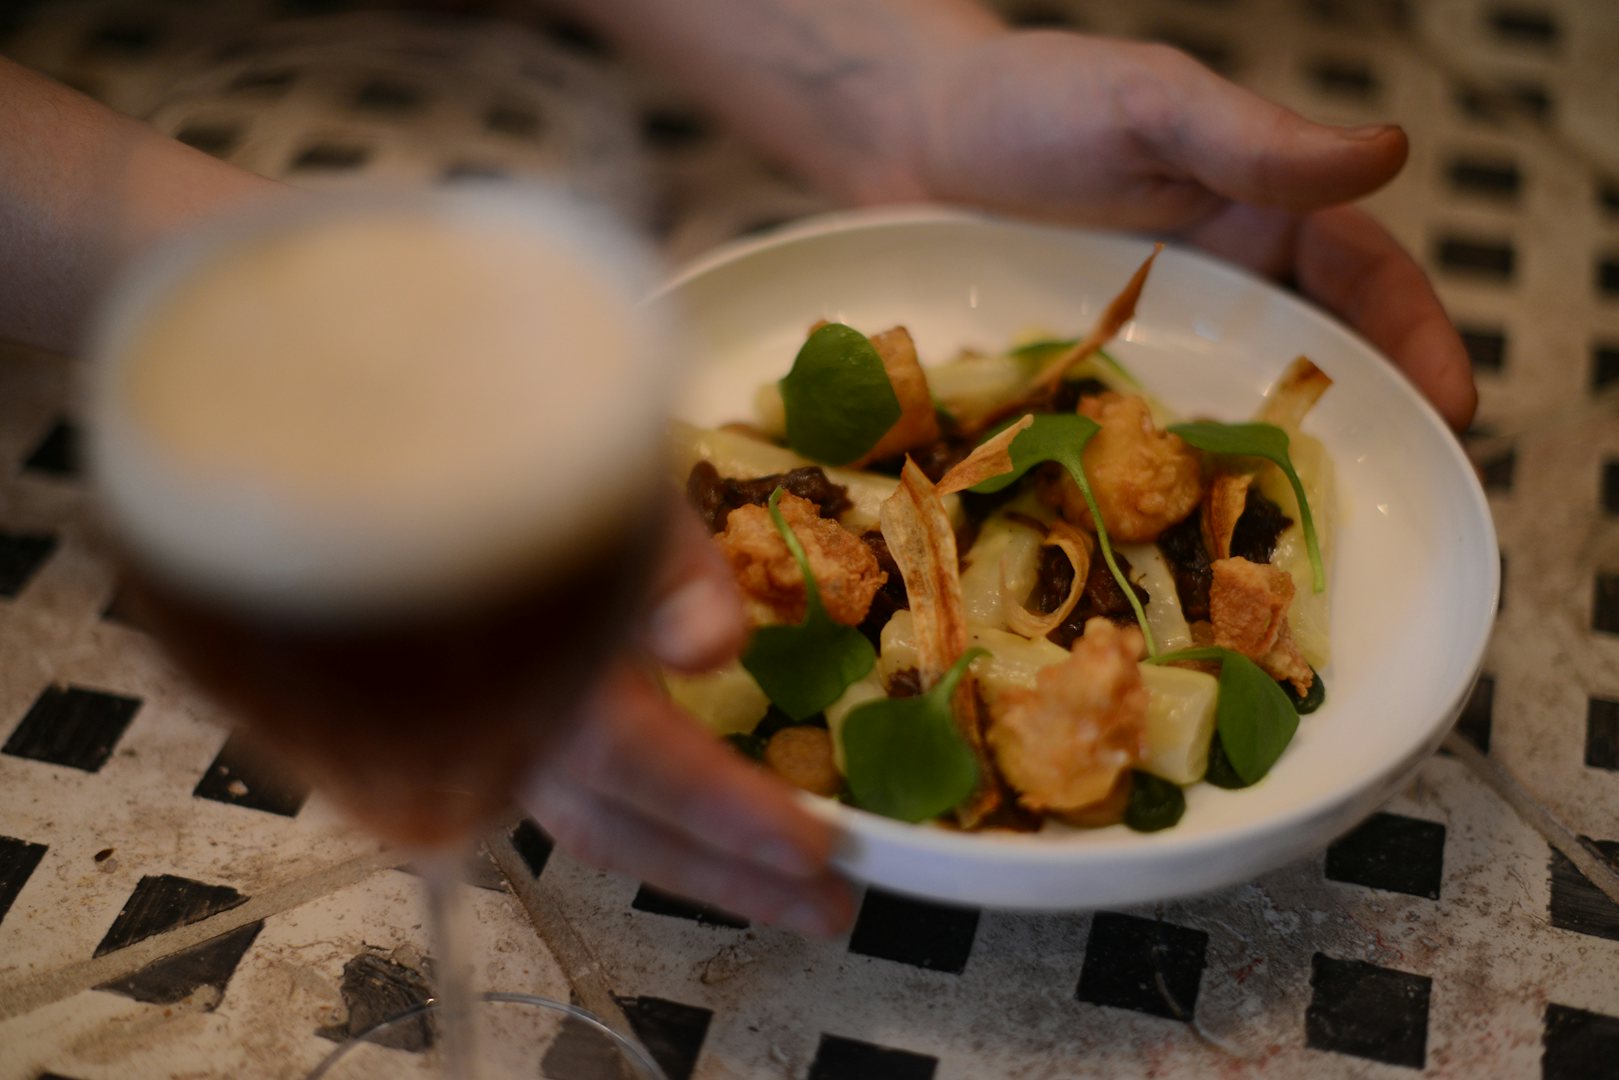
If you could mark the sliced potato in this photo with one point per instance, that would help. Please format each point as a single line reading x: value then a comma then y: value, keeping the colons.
x: 727, y: 701
x: 1004, y: 562
x: 1163, y: 607
x: 1012, y: 663
x: 1180, y: 722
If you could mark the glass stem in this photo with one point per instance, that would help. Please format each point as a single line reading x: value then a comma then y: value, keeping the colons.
x: 448, y: 930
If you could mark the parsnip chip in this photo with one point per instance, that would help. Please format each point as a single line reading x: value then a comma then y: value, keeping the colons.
x: 1227, y: 497
x: 1120, y: 311
x: 1294, y: 394
x: 1077, y: 545
x: 923, y: 544
x: 991, y: 458
x: 918, y: 423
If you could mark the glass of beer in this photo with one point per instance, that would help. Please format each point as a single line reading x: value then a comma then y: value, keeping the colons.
x: 383, y: 476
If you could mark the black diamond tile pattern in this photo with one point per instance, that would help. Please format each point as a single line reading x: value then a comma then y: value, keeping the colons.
x: 376, y: 987
x: 1532, y: 98
x: 1605, y: 604
x: 1487, y: 177
x: 72, y: 726
x: 576, y: 37
x: 1607, y: 275
x: 389, y: 96
x: 1499, y: 472
x: 1486, y: 348
x: 1604, y: 365
x: 1143, y: 964
x: 673, y: 1033
x: 241, y: 777
x: 1393, y: 853
x: 18, y: 858
x: 1578, y: 905
x: 658, y: 902
x: 331, y: 157
x: 673, y: 129
x: 532, y: 845
x: 472, y: 170
x: 1476, y: 258
x: 263, y: 82
x: 925, y: 935
x: 215, y: 139
x: 1602, y: 733
x: 1368, y: 1011
x: 1036, y: 14
x: 837, y: 1058
x: 1524, y: 25
x: 1610, y: 486
x: 1212, y: 52
x: 162, y: 902
x: 129, y: 37
x: 1579, y: 1045
x: 21, y: 556
x: 1343, y: 78
x: 510, y: 118
x: 57, y: 454
x: 1478, y: 715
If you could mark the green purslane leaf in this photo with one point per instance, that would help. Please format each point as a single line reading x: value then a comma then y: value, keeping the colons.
x: 1262, y: 441
x: 1038, y: 353
x: 1062, y: 438
x: 838, y: 398
x: 1254, y: 718
x: 1155, y: 803
x: 906, y: 758
x: 804, y: 668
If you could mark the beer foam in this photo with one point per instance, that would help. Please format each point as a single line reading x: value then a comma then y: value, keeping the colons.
x: 356, y: 406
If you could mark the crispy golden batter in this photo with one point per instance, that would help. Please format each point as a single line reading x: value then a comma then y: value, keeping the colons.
x: 845, y: 568
x: 1064, y: 744
x: 1248, y: 607
x: 1144, y: 479
x: 802, y: 756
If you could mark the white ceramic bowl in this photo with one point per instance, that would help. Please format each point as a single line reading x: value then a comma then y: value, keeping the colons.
x: 1416, y: 571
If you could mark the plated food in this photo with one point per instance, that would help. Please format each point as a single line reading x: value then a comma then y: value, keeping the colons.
x: 1044, y: 600
x: 1408, y: 543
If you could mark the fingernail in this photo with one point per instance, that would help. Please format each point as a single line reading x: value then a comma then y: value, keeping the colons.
x: 805, y: 918
x: 692, y: 623
x: 784, y: 858
x: 1366, y: 132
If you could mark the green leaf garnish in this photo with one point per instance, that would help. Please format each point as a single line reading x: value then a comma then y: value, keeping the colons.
x: 1254, y: 717
x: 1220, y: 773
x: 802, y: 669
x: 906, y: 758
x: 1262, y: 441
x: 838, y: 399
x: 1037, y: 353
x: 1154, y: 804
x: 746, y: 744
x: 1062, y: 438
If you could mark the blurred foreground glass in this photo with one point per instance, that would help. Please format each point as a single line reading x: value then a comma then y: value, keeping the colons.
x: 383, y: 477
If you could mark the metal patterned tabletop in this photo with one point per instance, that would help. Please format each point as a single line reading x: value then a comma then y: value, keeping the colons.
x: 168, y: 908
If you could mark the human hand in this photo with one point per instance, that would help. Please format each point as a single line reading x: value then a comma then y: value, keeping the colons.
x: 640, y: 787
x: 1135, y: 136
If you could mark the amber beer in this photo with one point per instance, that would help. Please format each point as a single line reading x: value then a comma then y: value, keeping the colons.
x: 383, y: 477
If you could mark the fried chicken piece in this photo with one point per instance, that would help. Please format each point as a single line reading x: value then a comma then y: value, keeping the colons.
x: 845, y: 569
x: 1144, y: 479
x: 1063, y: 745
x: 1248, y: 608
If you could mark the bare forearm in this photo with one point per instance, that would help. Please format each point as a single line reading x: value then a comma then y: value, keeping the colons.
x: 828, y: 86
x: 82, y: 189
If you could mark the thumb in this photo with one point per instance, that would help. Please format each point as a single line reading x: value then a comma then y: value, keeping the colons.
x: 1250, y: 150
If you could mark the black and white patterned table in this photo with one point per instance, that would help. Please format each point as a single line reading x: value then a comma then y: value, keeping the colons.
x: 168, y: 908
